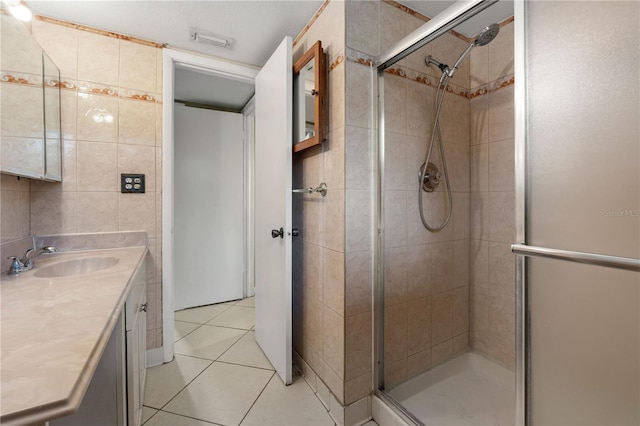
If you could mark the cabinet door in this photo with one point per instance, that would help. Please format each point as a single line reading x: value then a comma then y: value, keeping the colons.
x: 142, y: 360
x: 102, y: 404
x: 133, y: 368
x: 136, y: 363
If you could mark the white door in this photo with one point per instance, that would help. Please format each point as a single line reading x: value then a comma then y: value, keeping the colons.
x: 209, y: 206
x: 273, y: 148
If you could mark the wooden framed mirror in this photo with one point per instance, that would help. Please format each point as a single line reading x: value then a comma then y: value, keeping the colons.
x: 309, y: 99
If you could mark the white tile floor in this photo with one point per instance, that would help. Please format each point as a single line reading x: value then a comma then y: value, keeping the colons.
x: 220, y: 376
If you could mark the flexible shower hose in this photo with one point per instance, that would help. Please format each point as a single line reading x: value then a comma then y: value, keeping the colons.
x: 440, y: 93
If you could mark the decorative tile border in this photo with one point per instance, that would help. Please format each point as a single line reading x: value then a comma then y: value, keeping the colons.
x: 22, y: 78
x: 406, y: 9
x: 430, y: 80
x: 506, y: 21
x: 68, y: 85
x: 96, y: 89
x: 506, y: 81
x: 359, y: 57
x: 311, y: 22
x: 89, y: 88
x: 98, y: 31
x: 50, y: 81
x: 337, y: 61
x: 140, y: 96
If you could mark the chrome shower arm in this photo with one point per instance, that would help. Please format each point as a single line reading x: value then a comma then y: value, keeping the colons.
x: 453, y: 69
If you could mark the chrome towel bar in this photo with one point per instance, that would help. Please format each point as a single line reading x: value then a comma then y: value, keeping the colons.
x: 322, y: 189
x: 627, y: 263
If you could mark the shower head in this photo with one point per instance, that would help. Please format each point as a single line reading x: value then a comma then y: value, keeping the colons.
x: 487, y: 35
x: 482, y: 39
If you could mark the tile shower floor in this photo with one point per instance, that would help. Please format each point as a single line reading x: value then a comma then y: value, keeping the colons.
x: 220, y: 376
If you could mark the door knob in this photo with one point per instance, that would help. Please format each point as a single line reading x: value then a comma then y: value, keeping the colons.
x: 275, y: 233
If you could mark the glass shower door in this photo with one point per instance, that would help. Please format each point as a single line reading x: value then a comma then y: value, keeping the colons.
x: 582, y: 191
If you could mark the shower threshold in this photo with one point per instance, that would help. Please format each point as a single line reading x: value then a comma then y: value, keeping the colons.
x: 468, y: 390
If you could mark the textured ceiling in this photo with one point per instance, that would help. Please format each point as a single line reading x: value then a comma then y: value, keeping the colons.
x: 208, y: 89
x: 258, y: 27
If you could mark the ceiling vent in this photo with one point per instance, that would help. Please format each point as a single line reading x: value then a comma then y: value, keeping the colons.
x: 212, y: 39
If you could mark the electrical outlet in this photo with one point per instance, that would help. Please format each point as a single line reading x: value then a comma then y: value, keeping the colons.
x: 132, y: 183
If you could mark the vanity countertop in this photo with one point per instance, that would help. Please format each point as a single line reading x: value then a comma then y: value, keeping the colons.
x: 53, y: 332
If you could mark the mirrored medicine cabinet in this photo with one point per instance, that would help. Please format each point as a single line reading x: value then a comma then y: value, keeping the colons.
x: 309, y: 99
x: 30, y: 122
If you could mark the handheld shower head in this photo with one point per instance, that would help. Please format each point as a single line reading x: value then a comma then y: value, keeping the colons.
x: 485, y: 37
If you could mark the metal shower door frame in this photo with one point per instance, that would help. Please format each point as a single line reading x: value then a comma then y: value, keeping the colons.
x: 426, y: 33
x: 520, y: 122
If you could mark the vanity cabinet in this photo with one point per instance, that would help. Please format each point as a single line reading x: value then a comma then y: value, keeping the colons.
x: 116, y: 391
x: 105, y: 402
x: 136, y: 332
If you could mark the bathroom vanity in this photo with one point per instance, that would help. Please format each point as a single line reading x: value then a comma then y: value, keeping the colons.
x: 73, y: 333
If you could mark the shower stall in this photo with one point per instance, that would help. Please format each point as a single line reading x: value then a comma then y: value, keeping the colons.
x: 450, y: 322
x: 446, y: 298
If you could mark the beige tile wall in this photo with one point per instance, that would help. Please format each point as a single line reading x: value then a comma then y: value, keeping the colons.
x: 427, y: 276
x: 426, y: 279
x: 319, y: 251
x: 111, y: 121
x: 359, y: 236
x: 14, y: 209
x: 492, y: 222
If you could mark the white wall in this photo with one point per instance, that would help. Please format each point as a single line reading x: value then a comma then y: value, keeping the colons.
x: 209, y: 207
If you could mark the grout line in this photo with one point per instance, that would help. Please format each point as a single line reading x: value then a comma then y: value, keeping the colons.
x: 192, y: 322
x: 243, y: 306
x: 232, y: 328
x: 152, y: 416
x: 176, y: 341
x: 185, y: 386
x: 232, y: 345
x: 244, y: 365
x: 190, y: 417
x: 202, y: 323
x: 224, y: 352
x: 258, y: 397
x: 196, y: 357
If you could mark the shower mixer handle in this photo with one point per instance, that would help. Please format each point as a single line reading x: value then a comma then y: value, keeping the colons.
x: 430, y: 177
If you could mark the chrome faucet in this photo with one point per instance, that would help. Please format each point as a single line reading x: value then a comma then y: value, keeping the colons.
x: 28, y: 261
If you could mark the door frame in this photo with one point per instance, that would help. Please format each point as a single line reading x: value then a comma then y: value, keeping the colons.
x: 217, y: 67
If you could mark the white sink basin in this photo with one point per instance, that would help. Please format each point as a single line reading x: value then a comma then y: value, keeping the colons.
x: 73, y: 267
